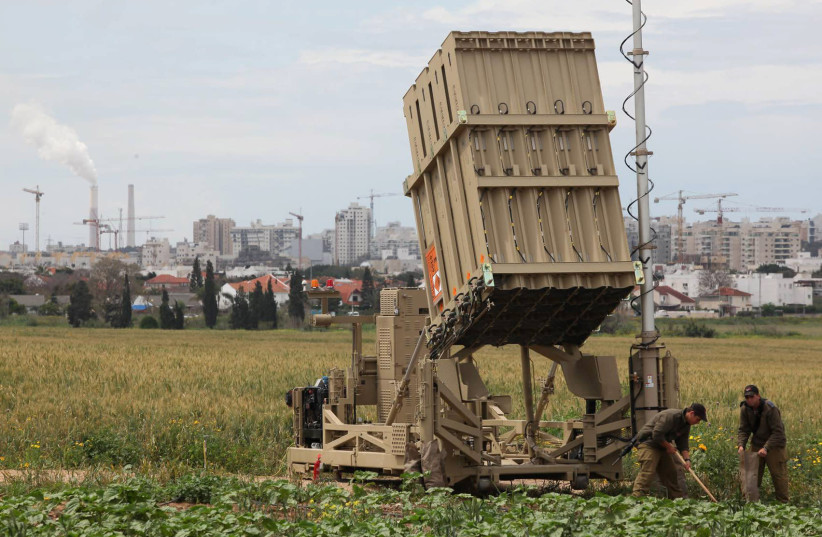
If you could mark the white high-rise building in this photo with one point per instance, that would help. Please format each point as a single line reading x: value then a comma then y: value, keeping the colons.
x: 186, y: 252
x: 352, y: 234
x: 155, y: 253
x: 275, y: 239
x: 395, y: 242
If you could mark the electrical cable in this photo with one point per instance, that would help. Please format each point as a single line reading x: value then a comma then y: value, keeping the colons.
x: 640, y: 170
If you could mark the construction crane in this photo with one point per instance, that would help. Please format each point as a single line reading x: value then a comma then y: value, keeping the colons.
x: 680, y: 221
x: 107, y: 228
x: 135, y: 218
x: 131, y: 220
x: 102, y: 228
x: 37, y: 195
x: 372, y: 223
x: 779, y: 210
x: 720, y: 210
x: 299, y: 218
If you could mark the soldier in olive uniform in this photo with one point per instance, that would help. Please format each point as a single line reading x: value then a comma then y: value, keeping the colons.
x: 760, y: 419
x: 659, y: 440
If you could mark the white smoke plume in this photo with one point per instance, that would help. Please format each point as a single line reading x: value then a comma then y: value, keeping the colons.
x: 53, y: 141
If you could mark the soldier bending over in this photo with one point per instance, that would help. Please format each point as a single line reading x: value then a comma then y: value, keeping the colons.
x: 659, y: 440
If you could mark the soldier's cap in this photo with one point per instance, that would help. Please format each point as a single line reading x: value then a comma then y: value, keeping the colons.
x: 750, y: 389
x: 700, y: 412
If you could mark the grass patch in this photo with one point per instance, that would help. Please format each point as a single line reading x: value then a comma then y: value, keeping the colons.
x: 208, y: 505
x: 150, y: 400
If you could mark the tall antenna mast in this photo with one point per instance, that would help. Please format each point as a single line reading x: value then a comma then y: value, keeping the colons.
x: 641, y: 154
x: 654, y: 377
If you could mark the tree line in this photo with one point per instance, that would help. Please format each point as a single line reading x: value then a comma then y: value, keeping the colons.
x: 105, y: 295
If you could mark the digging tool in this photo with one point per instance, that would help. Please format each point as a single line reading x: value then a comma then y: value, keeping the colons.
x: 701, y: 484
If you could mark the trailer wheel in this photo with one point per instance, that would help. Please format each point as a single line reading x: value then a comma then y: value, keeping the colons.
x: 580, y: 482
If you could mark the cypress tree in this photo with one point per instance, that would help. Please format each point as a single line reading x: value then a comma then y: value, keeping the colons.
x: 239, y: 311
x: 196, y: 278
x: 125, y: 305
x: 166, y: 315
x: 270, y: 306
x: 255, y: 307
x: 296, y: 299
x: 179, y: 315
x: 210, y: 297
x: 79, y: 309
x: 367, y: 289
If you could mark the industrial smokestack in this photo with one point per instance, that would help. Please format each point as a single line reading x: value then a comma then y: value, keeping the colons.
x: 130, y: 242
x: 93, y: 225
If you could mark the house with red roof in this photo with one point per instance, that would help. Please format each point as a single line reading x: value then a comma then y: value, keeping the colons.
x: 279, y: 287
x: 726, y: 300
x: 350, y: 291
x: 669, y: 299
x: 173, y: 284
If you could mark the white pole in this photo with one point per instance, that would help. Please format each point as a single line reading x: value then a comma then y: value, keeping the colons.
x: 37, y: 222
x: 641, y: 153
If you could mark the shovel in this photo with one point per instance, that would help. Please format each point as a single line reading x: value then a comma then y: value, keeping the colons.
x: 708, y: 492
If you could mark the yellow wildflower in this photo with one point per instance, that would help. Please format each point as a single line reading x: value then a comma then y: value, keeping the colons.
x: 703, y: 447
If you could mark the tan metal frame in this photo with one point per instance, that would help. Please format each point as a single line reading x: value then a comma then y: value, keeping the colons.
x: 453, y: 408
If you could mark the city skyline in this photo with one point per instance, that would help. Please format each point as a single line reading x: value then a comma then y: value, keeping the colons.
x: 227, y: 109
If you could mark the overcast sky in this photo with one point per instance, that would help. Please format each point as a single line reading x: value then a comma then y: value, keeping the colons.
x: 253, y: 109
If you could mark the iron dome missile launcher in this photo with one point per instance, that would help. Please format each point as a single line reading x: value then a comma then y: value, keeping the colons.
x: 520, y: 224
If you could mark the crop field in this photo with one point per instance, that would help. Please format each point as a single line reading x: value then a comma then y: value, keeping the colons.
x: 205, y: 410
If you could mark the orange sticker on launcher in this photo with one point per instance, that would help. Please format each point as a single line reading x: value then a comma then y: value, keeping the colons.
x: 434, y: 280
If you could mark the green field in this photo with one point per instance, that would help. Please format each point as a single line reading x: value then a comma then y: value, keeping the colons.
x: 209, y: 505
x: 145, y: 402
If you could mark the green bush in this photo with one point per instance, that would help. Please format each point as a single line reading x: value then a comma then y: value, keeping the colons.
x: 618, y: 323
x: 52, y: 308
x: 693, y: 329
x: 149, y: 322
x: 108, y: 446
x: 769, y: 310
x: 14, y: 307
x: 195, y: 488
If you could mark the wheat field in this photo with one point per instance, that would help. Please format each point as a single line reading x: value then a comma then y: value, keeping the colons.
x: 74, y: 398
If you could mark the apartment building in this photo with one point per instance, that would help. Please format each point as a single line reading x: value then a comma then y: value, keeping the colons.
x: 352, y: 234
x: 744, y: 245
x: 215, y: 233
x: 275, y: 239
